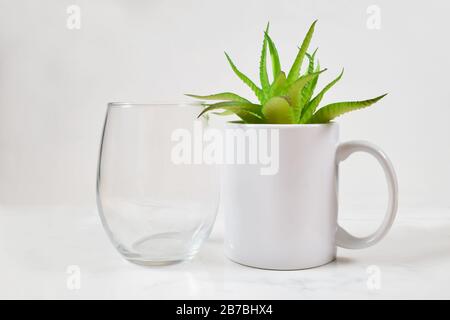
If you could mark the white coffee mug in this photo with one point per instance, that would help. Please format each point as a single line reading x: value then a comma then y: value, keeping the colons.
x: 287, y: 219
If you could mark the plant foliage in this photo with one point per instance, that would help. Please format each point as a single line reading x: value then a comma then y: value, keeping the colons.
x: 288, y: 98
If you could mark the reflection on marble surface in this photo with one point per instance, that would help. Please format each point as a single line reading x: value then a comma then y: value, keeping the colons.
x: 36, y: 248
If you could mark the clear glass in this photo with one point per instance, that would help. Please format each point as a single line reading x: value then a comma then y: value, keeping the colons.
x: 154, y: 210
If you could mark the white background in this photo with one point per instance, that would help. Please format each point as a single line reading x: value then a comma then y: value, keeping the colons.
x: 55, y: 83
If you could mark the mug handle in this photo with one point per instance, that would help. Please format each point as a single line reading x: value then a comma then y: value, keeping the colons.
x: 345, y: 239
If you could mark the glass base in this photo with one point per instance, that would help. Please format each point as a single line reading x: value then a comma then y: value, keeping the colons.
x: 160, y: 250
x: 155, y: 263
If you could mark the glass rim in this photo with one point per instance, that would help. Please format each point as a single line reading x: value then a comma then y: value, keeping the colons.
x: 154, y: 104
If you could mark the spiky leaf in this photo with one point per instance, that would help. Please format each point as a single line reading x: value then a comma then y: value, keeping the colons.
x: 275, y: 58
x: 278, y: 85
x: 226, y: 96
x: 248, y: 112
x: 249, y: 117
x: 311, y: 58
x: 295, y: 90
x: 295, y: 69
x: 233, y: 105
x: 312, y: 105
x: 246, y: 116
x: 277, y: 110
x: 265, y: 85
x: 258, y: 92
x: 223, y: 113
x: 308, y: 91
x: 331, y: 111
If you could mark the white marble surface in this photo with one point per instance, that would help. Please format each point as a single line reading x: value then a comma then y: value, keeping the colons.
x: 38, y: 244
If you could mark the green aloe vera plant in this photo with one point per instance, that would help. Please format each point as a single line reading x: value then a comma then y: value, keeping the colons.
x: 288, y: 98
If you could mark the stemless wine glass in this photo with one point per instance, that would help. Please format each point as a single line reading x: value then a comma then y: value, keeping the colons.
x: 155, y: 209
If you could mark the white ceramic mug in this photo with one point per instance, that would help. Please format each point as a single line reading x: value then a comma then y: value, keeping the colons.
x: 288, y: 220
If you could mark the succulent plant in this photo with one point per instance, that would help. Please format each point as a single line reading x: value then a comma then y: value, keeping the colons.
x: 289, y: 98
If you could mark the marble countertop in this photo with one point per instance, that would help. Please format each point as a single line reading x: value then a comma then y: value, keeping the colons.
x: 40, y: 247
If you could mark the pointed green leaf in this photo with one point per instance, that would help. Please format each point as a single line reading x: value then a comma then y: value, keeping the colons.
x: 250, y: 117
x: 233, y: 106
x: 277, y: 85
x: 331, y: 111
x: 295, y: 90
x: 314, y: 82
x: 276, y: 65
x: 277, y: 110
x: 224, y: 113
x: 311, y: 58
x: 265, y: 85
x: 295, y: 69
x: 309, y: 88
x: 312, y: 105
x: 227, y: 96
x: 258, y: 92
x: 246, y: 116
